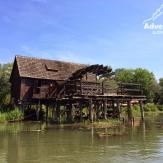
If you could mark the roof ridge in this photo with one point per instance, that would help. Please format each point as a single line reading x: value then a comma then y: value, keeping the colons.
x: 44, y: 59
x: 35, y: 68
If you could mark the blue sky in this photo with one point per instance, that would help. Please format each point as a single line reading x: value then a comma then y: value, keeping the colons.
x: 109, y: 32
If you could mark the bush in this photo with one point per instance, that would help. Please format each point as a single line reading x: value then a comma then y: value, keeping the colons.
x: 2, y: 117
x: 14, y: 115
x: 150, y: 107
x: 160, y: 107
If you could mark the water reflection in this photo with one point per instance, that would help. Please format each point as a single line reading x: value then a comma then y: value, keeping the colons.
x: 33, y: 143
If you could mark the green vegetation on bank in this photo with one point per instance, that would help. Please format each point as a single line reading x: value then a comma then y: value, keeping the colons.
x: 148, y: 108
x: 12, y: 115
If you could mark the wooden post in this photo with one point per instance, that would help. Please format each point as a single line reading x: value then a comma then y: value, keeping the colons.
x: 141, y: 110
x: 69, y: 111
x: 98, y: 107
x: 54, y: 114
x: 114, y: 111
x: 58, y: 111
x: 118, y: 110
x: 80, y: 109
x: 105, y: 109
x: 47, y: 110
x: 130, y: 116
x: 38, y: 110
x: 90, y: 110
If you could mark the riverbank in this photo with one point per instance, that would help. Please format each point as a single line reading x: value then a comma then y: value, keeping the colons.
x: 16, y: 115
x: 11, y: 116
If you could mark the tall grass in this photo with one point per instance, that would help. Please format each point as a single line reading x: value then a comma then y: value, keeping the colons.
x: 12, y: 115
x: 2, y: 117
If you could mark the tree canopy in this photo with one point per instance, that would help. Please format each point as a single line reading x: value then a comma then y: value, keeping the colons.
x: 5, y: 71
x: 139, y: 76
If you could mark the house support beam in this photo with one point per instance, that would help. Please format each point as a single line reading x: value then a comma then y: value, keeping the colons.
x: 129, y: 111
x: 91, y: 110
x: 142, y: 110
x: 47, y: 110
x: 69, y: 111
x: 118, y: 109
x: 105, y: 109
x: 58, y: 111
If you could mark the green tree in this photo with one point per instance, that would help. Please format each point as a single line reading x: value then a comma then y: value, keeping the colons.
x: 160, y: 91
x: 148, y: 82
x: 124, y: 75
x: 139, y: 76
x: 5, y: 71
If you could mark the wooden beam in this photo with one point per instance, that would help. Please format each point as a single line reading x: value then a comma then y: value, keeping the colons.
x: 91, y: 117
x: 58, y: 111
x: 129, y: 110
x: 80, y: 109
x: 142, y: 110
x: 69, y: 111
x: 105, y: 109
x: 47, y: 111
x: 118, y: 109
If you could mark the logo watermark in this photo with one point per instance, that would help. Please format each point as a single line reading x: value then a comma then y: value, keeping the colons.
x: 149, y: 24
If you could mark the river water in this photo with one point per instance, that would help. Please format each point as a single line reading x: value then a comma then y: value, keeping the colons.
x: 25, y: 143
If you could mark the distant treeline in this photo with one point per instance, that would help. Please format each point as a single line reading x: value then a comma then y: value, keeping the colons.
x: 152, y: 88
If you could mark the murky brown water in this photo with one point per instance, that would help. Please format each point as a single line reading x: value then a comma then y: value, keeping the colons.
x: 22, y: 143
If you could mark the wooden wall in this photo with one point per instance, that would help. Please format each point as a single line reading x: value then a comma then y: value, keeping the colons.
x: 15, y: 84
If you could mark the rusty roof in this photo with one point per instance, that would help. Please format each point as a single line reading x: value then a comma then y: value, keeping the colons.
x: 46, y: 69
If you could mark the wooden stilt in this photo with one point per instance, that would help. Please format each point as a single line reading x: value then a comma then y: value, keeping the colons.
x: 105, y: 109
x: 69, y: 111
x: 54, y: 112
x: 98, y: 110
x: 95, y: 110
x: 129, y: 110
x: 58, y: 111
x: 118, y: 109
x: 80, y: 109
x: 38, y: 110
x: 47, y: 110
x: 141, y: 110
x: 90, y: 110
x: 114, y: 109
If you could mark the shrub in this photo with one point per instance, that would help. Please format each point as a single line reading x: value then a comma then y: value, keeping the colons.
x: 2, y: 117
x: 14, y: 115
x: 150, y: 107
x: 160, y: 107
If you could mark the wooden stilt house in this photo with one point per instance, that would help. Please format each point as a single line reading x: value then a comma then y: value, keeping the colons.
x: 36, y: 80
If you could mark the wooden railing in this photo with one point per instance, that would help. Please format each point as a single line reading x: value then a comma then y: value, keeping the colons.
x: 77, y: 87
x: 129, y: 89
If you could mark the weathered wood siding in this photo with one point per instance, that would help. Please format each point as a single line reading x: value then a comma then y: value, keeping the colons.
x: 15, y: 84
x: 26, y: 89
x: 89, y: 77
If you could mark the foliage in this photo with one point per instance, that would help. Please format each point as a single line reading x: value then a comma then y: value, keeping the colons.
x: 160, y: 107
x: 150, y: 107
x: 160, y: 95
x: 15, y: 114
x: 12, y: 115
x: 124, y: 75
x: 5, y: 71
x: 139, y: 76
x: 2, y: 117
